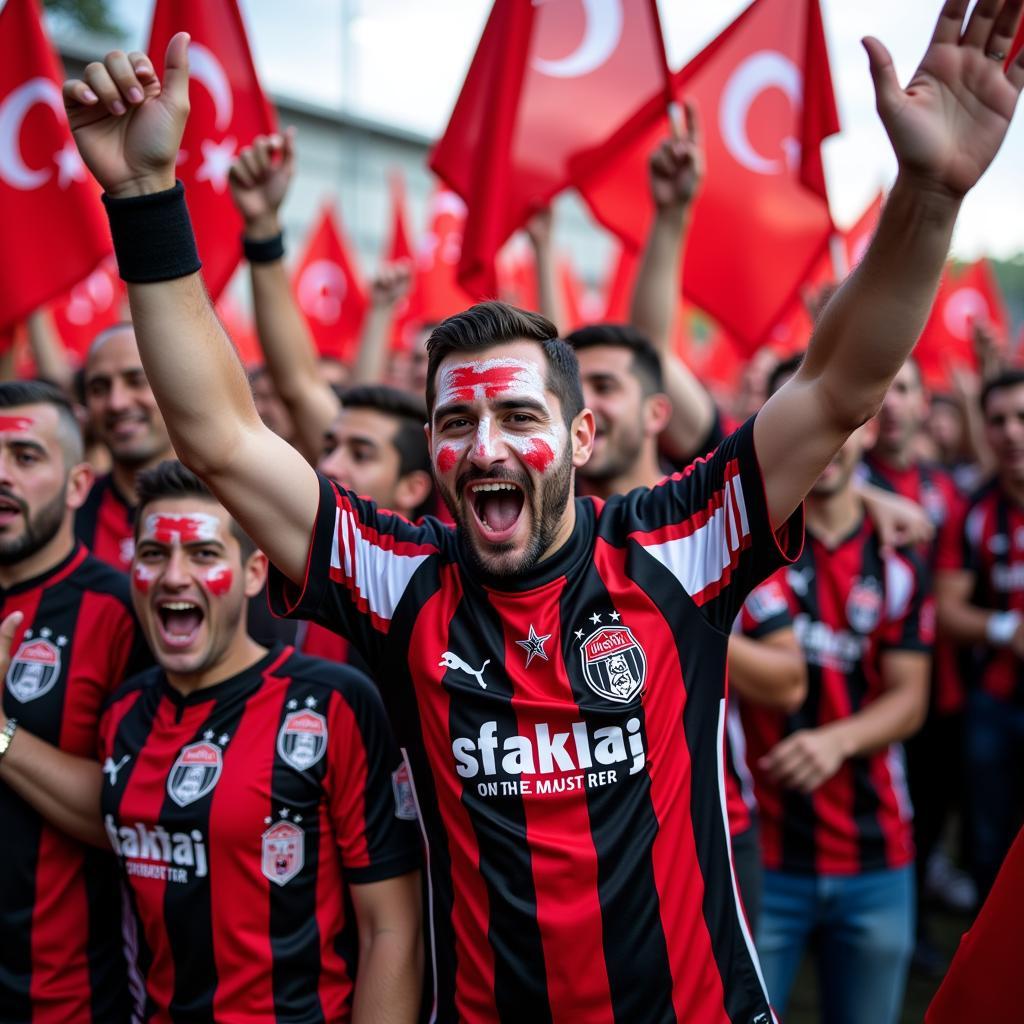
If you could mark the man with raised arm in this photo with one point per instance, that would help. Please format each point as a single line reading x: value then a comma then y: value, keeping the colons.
x: 554, y: 668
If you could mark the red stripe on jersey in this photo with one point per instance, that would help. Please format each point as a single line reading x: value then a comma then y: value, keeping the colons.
x: 348, y: 802
x: 558, y: 832
x: 113, y: 539
x: 474, y: 980
x: 894, y: 814
x: 320, y: 642
x: 335, y: 982
x: 697, y: 992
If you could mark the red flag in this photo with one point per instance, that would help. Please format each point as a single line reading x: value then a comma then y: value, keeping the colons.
x: 329, y: 289
x: 619, y: 289
x: 90, y: 307
x: 946, y: 340
x: 399, y: 246
x: 438, y: 293
x: 517, y: 274
x: 764, y: 92
x: 546, y: 84
x: 228, y: 111
x: 241, y: 331
x: 54, y: 228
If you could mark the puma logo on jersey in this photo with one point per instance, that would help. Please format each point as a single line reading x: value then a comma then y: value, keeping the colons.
x: 452, y: 660
x: 110, y: 769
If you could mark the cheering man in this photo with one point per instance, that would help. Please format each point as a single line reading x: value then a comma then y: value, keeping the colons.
x: 554, y: 668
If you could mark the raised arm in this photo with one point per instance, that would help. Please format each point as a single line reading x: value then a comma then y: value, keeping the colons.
x: 259, y: 179
x: 389, y: 286
x: 676, y: 169
x: 945, y: 128
x: 549, y: 298
x: 128, y: 126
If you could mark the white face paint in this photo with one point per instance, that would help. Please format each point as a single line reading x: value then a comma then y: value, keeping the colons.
x: 164, y: 528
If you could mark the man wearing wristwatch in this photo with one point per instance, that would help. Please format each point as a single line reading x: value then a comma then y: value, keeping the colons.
x: 980, y: 590
x: 60, y: 930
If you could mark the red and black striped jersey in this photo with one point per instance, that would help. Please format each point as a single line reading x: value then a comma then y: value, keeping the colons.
x: 850, y: 605
x: 105, y: 524
x: 565, y: 734
x: 765, y: 611
x: 60, y: 931
x: 240, y: 813
x: 988, y: 541
x: 934, y: 489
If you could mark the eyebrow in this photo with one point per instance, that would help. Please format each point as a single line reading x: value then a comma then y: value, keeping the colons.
x: 188, y: 544
x: 504, y: 405
x: 20, y: 442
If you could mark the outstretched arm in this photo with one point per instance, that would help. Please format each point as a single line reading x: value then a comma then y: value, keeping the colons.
x: 549, y: 299
x: 128, y: 126
x: 390, y: 285
x: 946, y: 128
x: 676, y: 169
x: 259, y: 179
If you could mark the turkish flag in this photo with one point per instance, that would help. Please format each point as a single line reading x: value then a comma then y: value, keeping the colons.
x: 962, y: 299
x: 547, y: 83
x: 619, y: 287
x: 54, y: 227
x: 228, y: 111
x: 761, y: 221
x: 92, y: 306
x: 329, y: 289
x: 438, y: 292
x: 400, y: 247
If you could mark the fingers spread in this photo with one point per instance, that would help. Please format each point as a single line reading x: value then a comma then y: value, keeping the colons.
x: 951, y: 22
x: 979, y: 27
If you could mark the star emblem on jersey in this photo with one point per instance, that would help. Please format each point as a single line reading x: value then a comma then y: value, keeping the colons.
x: 615, y: 616
x: 614, y: 663
x: 534, y: 646
x: 35, y: 668
x: 195, y: 772
x: 595, y: 618
x: 302, y: 739
x: 284, y: 852
x: 864, y: 604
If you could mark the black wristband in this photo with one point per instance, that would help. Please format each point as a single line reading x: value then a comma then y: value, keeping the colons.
x: 263, y: 250
x: 153, y: 238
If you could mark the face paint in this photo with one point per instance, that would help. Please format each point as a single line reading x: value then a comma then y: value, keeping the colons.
x: 490, y: 378
x: 142, y: 577
x: 16, y: 423
x: 447, y: 456
x: 165, y: 529
x: 218, y: 580
x: 538, y: 454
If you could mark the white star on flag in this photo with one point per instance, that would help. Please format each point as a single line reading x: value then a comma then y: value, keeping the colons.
x: 69, y: 165
x: 217, y: 160
x: 534, y: 646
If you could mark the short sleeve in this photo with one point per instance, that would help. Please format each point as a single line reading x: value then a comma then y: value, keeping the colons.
x: 766, y: 610
x: 910, y: 605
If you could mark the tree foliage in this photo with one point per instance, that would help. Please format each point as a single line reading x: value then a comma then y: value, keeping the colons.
x: 91, y: 15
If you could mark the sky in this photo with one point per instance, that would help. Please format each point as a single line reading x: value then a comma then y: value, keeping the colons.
x: 403, y: 61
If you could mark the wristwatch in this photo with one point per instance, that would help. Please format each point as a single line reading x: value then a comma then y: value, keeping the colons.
x: 6, y: 735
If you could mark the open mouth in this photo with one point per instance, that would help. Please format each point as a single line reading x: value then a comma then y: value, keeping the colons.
x: 497, y: 507
x: 179, y: 622
x: 9, y: 509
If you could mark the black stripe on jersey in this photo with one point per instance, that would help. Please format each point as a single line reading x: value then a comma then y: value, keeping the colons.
x: 799, y: 820
x: 520, y: 978
x: 399, y: 698
x: 743, y: 996
x: 188, y: 909
x: 294, y: 930
x: 87, y: 517
x: 630, y: 914
x: 132, y: 733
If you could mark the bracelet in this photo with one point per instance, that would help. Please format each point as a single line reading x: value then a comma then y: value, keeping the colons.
x: 1001, y: 627
x: 7, y: 735
x: 153, y: 237
x: 263, y: 250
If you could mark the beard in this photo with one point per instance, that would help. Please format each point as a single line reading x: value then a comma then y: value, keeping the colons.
x: 547, y: 508
x: 622, y: 449
x: 40, y: 529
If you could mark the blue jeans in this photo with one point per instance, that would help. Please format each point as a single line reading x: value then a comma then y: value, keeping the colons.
x: 863, y: 936
x: 995, y: 782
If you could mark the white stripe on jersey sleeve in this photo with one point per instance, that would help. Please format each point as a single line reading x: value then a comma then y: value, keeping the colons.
x: 378, y: 575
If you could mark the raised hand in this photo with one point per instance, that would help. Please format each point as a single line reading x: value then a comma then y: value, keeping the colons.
x: 259, y: 179
x: 391, y: 284
x: 677, y: 166
x: 948, y: 124
x: 128, y: 126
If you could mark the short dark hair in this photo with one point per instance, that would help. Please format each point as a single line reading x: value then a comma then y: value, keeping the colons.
x: 496, y: 323
x: 646, y: 364
x: 14, y: 393
x: 171, y: 479
x: 410, y: 412
x: 1001, y: 382
x: 783, y: 371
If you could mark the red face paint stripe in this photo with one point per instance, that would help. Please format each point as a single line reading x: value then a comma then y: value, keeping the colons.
x: 185, y: 528
x: 538, y: 455
x: 218, y: 581
x: 15, y: 422
x: 466, y: 379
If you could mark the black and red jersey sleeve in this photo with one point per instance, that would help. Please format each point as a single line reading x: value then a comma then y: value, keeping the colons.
x: 766, y: 610
x: 910, y: 605
x: 367, y: 787
x: 361, y: 561
x: 709, y: 527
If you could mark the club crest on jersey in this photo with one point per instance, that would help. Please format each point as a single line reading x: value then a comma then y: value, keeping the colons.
x: 405, y: 802
x: 283, y: 852
x: 864, y: 605
x: 302, y: 739
x: 194, y: 773
x: 34, y: 669
x: 614, y: 664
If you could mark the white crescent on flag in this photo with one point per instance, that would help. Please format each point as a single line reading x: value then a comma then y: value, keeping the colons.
x: 90, y: 297
x: 12, y: 115
x: 321, y: 291
x: 963, y: 306
x: 600, y: 40
x: 761, y: 71
x: 206, y: 68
